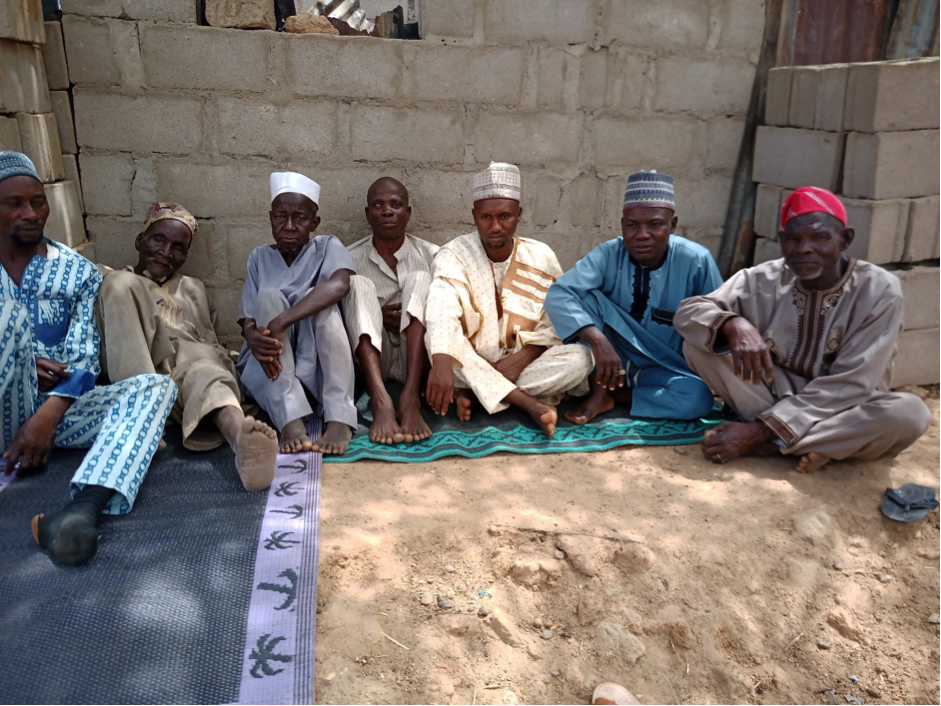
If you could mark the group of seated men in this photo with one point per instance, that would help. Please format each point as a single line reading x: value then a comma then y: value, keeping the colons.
x: 800, y: 348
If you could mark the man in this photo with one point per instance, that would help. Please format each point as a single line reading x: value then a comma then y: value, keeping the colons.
x: 812, y: 338
x: 488, y: 333
x: 295, y: 342
x: 154, y: 320
x: 385, y: 312
x: 48, y: 366
x: 620, y: 298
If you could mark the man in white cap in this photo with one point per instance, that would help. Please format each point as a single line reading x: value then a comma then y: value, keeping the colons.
x: 295, y: 341
x: 620, y: 300
x: 488, y: 332
x: 152, y: 319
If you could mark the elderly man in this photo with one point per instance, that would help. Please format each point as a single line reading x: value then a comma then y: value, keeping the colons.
x: 811, y: 339
x: 48, y: 366
x: 295, y: 342
x: 488, y: 332
x: 620, y: 298
x: 154, y: 320
x: 385, y: 312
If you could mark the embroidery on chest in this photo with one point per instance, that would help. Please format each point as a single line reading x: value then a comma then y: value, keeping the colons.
x: 812, y: 309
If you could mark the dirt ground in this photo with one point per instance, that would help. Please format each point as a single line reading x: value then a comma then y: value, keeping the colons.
x: 685, y: 581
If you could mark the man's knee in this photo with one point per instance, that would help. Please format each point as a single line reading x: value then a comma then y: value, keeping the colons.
x: 911, y: 414
x: 270, y: 302
x: 154, y: 386
x: 693, y: 397
x: 362, y: 287
x: 580, y: 357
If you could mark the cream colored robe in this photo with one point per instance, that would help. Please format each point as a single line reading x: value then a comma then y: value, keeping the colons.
x: 168, y: 329
x: 476, y: 323
x: 832, y: 352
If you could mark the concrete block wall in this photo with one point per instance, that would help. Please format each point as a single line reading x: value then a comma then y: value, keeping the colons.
x: 870, y: 133
x: 578, y: 94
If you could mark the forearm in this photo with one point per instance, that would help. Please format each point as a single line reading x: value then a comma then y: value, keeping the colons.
x: 527, y: 354
x: 248, y: 325
x: 591, y: 335
x: 322, y: 296
x: 53, y: 409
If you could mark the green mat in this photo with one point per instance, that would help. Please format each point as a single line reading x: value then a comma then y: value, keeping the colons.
x: 513, y: 432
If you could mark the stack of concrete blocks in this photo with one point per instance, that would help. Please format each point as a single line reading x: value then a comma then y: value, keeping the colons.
x: 868, y: 132
x: 38, y: 121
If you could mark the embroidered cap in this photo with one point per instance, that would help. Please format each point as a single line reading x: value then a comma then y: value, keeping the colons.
x: 14, y: 163
x: 170, y: 211
x: 649, y: 190
x: 294, y: 183
x: 812, y: 199
x: 498, y: 181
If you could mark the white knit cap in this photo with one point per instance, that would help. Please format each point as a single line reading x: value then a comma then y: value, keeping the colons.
x: 294, y: 183
x: 498, y: 181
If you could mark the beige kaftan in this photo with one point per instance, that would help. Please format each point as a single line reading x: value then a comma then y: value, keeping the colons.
x: 168, y: 329
x: 832, y: 352
x: 476, y: 322
x: 376, y: 285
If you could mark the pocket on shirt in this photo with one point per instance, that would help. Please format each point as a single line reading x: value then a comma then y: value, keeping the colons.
x: 50, y: 320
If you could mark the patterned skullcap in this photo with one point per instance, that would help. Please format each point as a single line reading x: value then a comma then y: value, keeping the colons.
x: 170, y: 211
x: 812, y: 199
x: 498, y: 181
x: 649, y: 189
x: 14, y: 163
x: 294, y: 183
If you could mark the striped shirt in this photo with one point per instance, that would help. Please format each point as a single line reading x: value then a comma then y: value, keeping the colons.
x: 415, y: 255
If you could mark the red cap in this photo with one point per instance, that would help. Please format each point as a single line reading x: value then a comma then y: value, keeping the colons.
x: 812, y: 199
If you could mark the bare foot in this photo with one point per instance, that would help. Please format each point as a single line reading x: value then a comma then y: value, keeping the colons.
x: 256, y: 452
x: 811, y: 462
x: 598, y: 402
x: 730, y: 440
x: 544, y: 415
x: 410, y: 419
x: 464, y: 404
x: 335, y: 439
x: 384, y: 428
x: 294, y: 438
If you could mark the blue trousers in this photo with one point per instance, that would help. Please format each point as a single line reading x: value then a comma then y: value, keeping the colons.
x: 120, y: 424
x: 659, y: 393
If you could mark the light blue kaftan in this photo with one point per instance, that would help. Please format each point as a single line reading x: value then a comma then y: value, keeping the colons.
x: 51, y: 314
x: 633, y: 306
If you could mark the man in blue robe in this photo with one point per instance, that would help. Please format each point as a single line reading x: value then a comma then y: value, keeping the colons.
x: 620, y: 299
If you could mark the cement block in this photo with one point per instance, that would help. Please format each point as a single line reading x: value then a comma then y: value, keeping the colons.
x: 53, y: 56
x: 921, y: 287
x: 629, y: 144
x: 550, y: 80
x: 527, y: 138
x: 893, y: 95
x: 439, y: 196
x: 817, y: 97
x: 62, y: 109
x: 702, y: 202
x: 542, y: 199
x: 593, y: 79
x: 917, y: 359
x: 465, y: 74
x: 768, y: 211
x: 147, y: 123
x: 323, y: 65
x: 159, y: 10
x: 724, y: 142
x: 226, y: 300
x: 719, y: 85
x: 742, y: 24
x: 231, y: 189
x: 514, y: 22
x: 778, y: 101
x: 792, y: 157
x: 87, y: 250
x: 241, y: 237
x: 113, y: 240
x: 379, y: 133
x: 21, y: 21
x: 23, y: 88
x: 204, y: 58
x: 922, y: 236
x: 766, y: 249
x: 106, y: 183
x: 880, y: 229
x: 39, y: 138
x: 65, y: 224
x: 638, y: 23
x: 70, y: 163
x: 10, y: 134
x: 626, y: 80
x: 889, y: 165
x: 582, y: 201
x: 254, y: 126
x: 343, y: 197
x: 242, y: 14
x: 207, y: 257
x: 447, y: 18
x: 90, y: 51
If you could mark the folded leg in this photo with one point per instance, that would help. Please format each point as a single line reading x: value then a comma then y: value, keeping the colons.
x: 663, y: 394
x: 19, y: 387
x: 559, y: 370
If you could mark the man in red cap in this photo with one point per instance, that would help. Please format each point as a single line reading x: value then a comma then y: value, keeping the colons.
x: 802, y: 348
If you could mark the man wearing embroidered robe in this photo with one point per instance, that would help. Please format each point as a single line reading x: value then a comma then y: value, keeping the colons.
x: 152, y: 320
x: 48, y: 366
x: 802, y: 348
x: 620, y: 298
x: 385, y: 312
x: 295, y: 342
x: 488, y: 332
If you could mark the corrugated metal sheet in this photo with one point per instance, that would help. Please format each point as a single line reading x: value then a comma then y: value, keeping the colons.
x: 914, y: 31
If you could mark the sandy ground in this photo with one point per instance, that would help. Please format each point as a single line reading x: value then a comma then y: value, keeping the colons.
x: 685, y: 581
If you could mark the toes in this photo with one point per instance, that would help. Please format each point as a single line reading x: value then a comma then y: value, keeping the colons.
x: 399, y: 437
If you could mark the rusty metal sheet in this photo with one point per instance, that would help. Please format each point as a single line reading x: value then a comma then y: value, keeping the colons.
x: 914, y: 31
x: 841, y: 31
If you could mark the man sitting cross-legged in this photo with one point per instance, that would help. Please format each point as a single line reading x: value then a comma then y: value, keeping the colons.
x: 295, y: 341
x: 48, y: 366
x: 154, y: 320
x: 620, y: 298
x: 811, y: 339
x: 488, y: 333
x: 385, y: 312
